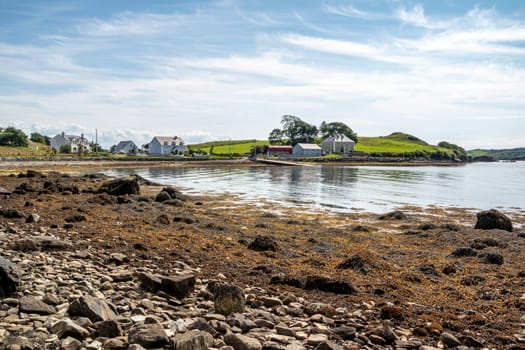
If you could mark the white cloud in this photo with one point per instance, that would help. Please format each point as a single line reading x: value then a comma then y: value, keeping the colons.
x: 346, y: 11
x: 415, y: 16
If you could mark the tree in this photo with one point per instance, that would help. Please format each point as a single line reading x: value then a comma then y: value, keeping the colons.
x: 36, y: 137
x: 276, y: 136
x: 458, y: 151
x: 65, y: 148
x: 330, y: 129
x: 13, y: 137
x: 297, y: 130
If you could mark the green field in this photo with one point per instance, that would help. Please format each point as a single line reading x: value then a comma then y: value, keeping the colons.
x: 34, y: 150
x: 499, y: 154
x: 227, y: 148
x: 396, y: 143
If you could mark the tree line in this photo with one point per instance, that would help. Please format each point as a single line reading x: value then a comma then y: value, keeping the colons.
x: 295, y: 130
x: 13, y: 137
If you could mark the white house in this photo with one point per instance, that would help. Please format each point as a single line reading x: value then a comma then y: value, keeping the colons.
x: 76, y: 143
x: 340, y: 144
x: 126, y: 147
x: 306, y: 150
x: 161, y: 145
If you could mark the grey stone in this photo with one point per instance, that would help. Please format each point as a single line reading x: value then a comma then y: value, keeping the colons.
x: 32, y: 305
x: 148, y: 336
x: 242, y: 342
x: 228, y: 298
x: 179, y: 286
x: 68, y: 328
x: 108, y: 329
x: 449, y: 341
x: 241, y: 321
x: 33, y: 218
x: 71, y: 343
x: 327, y: 346
x: 92, y: 308
x: 192, y: 340
x: 120, y: 343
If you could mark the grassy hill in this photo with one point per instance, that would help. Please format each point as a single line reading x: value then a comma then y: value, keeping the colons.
x: 225, y: 148
x: 397, y: 143
x: 499, y: 154
x: 33, y: 150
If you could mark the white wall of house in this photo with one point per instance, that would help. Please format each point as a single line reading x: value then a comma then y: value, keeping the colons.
x: 126, y: 147
x: 339, y: 144
x: 75, y: 142
x: 166, y: 145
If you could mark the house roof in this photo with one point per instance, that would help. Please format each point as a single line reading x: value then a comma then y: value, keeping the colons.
x: 169, y: 139
x: 122, y: 145
x: 309, y: 146
x: 338, y: 138
x: 276, y: 148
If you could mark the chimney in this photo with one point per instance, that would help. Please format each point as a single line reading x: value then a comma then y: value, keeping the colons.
x: 63, y: 134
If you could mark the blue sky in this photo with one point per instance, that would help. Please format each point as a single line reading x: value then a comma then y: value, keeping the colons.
x: 207, y: 70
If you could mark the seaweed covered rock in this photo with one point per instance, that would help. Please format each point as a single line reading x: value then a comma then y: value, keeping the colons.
x: 120, y: 187
x: 170, y: 193
x: 263, y: 243
x: 493, y: 219
x: 394, y: 215
x: 8, y: 278
x: 227, y: 298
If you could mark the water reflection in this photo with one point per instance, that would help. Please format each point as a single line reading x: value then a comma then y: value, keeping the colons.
x: 343, y: 187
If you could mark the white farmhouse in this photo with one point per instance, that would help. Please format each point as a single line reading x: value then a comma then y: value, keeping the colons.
x: 76, y: 143
x: 306, y: 150
x: 339, y: 144
x: 126, y: 147
x: 161, y: 145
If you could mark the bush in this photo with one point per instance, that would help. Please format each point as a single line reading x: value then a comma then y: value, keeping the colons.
x: 13, y: 137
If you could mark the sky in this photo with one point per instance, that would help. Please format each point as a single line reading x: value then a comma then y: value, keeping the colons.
x: 229, y: 69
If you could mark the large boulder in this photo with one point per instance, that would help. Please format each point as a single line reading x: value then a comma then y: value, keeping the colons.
x: 8, y: 278
x: 31, y: 305
x: 325, y: 284
x: 148, y: 336
x: 263, y: 243
x: 120, y: 187
x: 192, y: 340
x: 493, y: 219
x: 93, y: 308
x: 179, y: 286
x: 227, y: 298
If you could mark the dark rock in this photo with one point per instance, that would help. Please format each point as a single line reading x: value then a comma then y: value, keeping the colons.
x: 179, y: 286
x: 428, y: 269
x: 174, y: 202
x: 450, y: 227
x: 11, y: 214
x: 449, y: 269
x: 92, y: 308
x: 162, y: 196
x: 384, y: 333
x: 24, y: 188
x: 493, y: 219
x: 185, y: 219
x: 394, y: 215
x: 326, y: 345
x: 123, y: 200
x: 120, y: 187
x: 119, y: 343
x: 33, y: 173
x: 118, y: 258
x: 492, y: 258
x: 463, y: 252
x: 175, y: 194
x: 427, y: 226
x: 263, y: 243
x: 471, y: 341
x: 361, y: 228
x: 148, y: 336
x: 192, y: 340
x: 163, y: 219
x: 472, y: 280
x: 75, y: 218
x: 108, y: 328
x: 356, y: 263
x: 68, y: 328
x: 39, y: 243
x: 326, y: 284
x: 31, y: 305
x: 227, y: 298
x: 345, y: 332
x: 392, y: 312
x: 286, y: 280
x: 8, y: 278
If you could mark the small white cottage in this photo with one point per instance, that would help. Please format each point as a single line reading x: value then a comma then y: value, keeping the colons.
x: 75, y: 143
x: 166, y: 145
x: 339, y: 144
x: 306, y: 150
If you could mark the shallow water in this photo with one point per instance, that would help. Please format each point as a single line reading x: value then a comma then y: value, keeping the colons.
x: 371, y: 188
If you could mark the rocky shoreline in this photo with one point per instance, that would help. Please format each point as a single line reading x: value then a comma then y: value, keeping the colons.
x: 90, y: 263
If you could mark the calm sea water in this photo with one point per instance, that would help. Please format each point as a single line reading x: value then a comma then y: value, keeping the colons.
x: 342, y: 188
